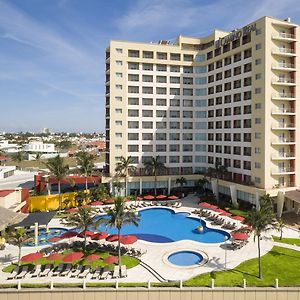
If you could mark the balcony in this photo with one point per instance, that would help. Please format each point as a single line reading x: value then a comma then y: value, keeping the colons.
x: 284, y: 67
x: 283, y: 156
x: 283, y: 111
x: 283, y: 96
x: 284, y: 52
x: 282, y: 36
x: 283, y: 81
x: 283, y: 171
x: 283, y: 126
x: 281, y: 141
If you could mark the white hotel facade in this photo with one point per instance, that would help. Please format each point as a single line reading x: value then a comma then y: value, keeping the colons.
x: 231, y: 98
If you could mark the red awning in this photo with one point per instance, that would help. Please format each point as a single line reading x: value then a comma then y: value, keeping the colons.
x: 172, y: 197
x: 238, y: 218
x: 112, y: 238
x: 86, y: 233
x: 55, y: 256
x: 54, y: 239
x: 110, y: 260
x: 240, y: 236
x: 100, y: 236
x: 92, y: 257
x: 148, y: 197
x: 161, y: 197
x: 96, y: 203
x: 68, y: 234
x: 32, y: 257
x: 73, y: 256
x: 128, y: 239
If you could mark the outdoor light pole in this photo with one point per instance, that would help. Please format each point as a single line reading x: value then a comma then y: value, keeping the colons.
x: 225, y: 244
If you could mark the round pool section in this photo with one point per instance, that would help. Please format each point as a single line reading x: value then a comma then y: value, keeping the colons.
x: 185, y: 258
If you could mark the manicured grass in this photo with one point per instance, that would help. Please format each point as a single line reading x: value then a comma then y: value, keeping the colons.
x: 9, y: 268
x: 279, y: 263
x: 291, y: 241
x: 239, y: 212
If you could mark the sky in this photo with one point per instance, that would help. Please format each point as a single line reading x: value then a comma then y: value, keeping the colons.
x: 52, y: 52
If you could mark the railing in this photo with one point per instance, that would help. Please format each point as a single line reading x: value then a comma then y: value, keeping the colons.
x: 284, y: 35
x: 283, y: 141
x: 282, y: 125
x: 283, y: 80
x: 283, y: 50
x: 284, y: 65
x: 283, y: 95
x: 283, y: 155
x: 283, y: 170
x: 283, y: 110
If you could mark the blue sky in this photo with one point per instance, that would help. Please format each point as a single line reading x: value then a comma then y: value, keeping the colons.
x: 52, y: 51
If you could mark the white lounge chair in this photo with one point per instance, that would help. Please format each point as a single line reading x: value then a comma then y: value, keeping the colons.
x: 123, y: 271
x: 46, y: 270
x: 97, y: 273
x: 116, y: 273
x: 77, y: 271
x: 105, y: 273
x: 37, y: 271
x: 14, y: 273
x: 24, y: 271
x: 84, y: 273
x: 66, y: 271
x: 58, y: 270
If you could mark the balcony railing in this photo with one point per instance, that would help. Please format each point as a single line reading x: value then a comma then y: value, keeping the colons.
x: 283, y: 110
x: 283, y: 35
x: 283, y: 141
x: 282, y: 170
x: 283, y: 50
x: 283, y: 95
x: 283, y: 66
x: 283, y: 80
x: 283, y: 125
x: 284, y: 155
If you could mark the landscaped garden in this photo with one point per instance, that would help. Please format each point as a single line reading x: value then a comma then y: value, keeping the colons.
x: 291, y: 241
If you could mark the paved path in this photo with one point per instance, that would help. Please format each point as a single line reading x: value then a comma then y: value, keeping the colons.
x: 289, y: 246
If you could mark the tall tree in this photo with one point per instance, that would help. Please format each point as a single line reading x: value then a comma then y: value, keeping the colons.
x: 201, y: 183
x: 124, y: 167
x: 85, y: 162
x: 59, y: 170
x: 117, y: 218
x: 154, y: 167
x: 82, y: 219
x: 117, y: 186
x: 19, y: 238
x: 181, y: 181
x: 38, y: 157
x: 261, y: 221
x: 18, y: 157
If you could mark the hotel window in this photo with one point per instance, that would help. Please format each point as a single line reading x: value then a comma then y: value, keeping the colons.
x: 147, y: 148
x: 219, y: 88
x: 187, y: 103
x: 147, y: 67
x: 236, y: 164
x: 133, y: 66
x: 219, y: 64
x: 258, y: 76
x: 161, y: 102
x: 118, y: 158
x: 174, y: 125
x: 118, y: 147
x: 161, y: 148
x: 133, y: 101
x: 161, y: 125
x: 161, y: 79
x: 147, y: 125
x: 226, y: 48
x: 257, y: 135
x: 200, y: 125
x: 200, y: 136
x: 219, y: 125
x: 227, y: 111
x: 258, y: 31
x: 118, y: 99
x: 247, y: 95
x: 247, y: 109
x: 118, y: 123
x: 187, y: 69
x: 218, y: 149
x: 133, y: 124
x: 161, y: 68
x: 201, y: 148
x: 227, y: 86
x: 247, y: 165
x: 187, y: 80
x: 219, y: 76
x: 247, y: 53
x: 211, y: 78
x: 202, y: 92
x: 257, y: 150
x: 188, y: 57
x: 147, y: 113
x: 200, y: 114
x: 200, y: 159
x: 210, y: 67
x: 257, y: 90
x: 210, y: 137
x: 211, y: 102
x: 174, y: 79
x: 133, y: 89
x: 147, y: 90
x: 247, y: 137
x: 133, y: 136
x: 258, y: 46
x: 200, y: 57
x: 258, y: 61
x: 218, y: 100
x: 174, y: 148
x: 210, y: 160
x: 161, y: 91
x: 133, y: 77
x: 257, y: 105
x: 174, y: 136
x: 211, y: 113
x: 237, y: 124
x: 133, y: 148
x: 200, y: 80
x: 210, y: 55
x: 147, y: 54
x: 161, y: 136
x: 119, y: 75
x: 237, y: 70
x: 257, y: 120
x: 175, y: 69
x: 227, y: 137
x: 118, y: 110
x: 237, y: 110
x: 174, y: 91
x: 187, y: 136
x: 247, y: 67
x: 147, y: 136
x: 236, y: 137
x: 227, y: 73
x: 227, y: 124
x: 133, y: 53
x: 237, y: 57
x: 147, y: 101
x: 175, y: 56
x: 219, y: 113
x: 118, y: 134
x: 187, y: 114
x: 174, y: 159
x: 237, y: 84
x: 227, y: 61
x: 210, y: 125
x: 161, y: 113
x: 227, y: 149
x: 237, y: 150
x: 218, y: 136
x: 119, y: 87
x: 237, y: 97
x: 133, y: 112
x: 227, y: 99
x: 174, y: 114
x: 119, y: 63
x: 236, y: 43
x: 257, y: 165
x: 119, y: 50
x: 174, y: 102
x: 187, y: 159
x: 246, y: 39
x: 257, y: 180
x: 147, y: 78
x: 162, y: 55
x: 186, y: 92
x: 247, y: 151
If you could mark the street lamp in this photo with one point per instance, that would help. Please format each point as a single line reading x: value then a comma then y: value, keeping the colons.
x: 225, y: 244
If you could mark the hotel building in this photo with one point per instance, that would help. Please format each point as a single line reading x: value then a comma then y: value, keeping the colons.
x: 230, y: 97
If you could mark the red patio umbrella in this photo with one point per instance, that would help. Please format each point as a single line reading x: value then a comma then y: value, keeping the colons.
x: 86, y: 233
x: 238, y: 218
x: 128, y: 239
x: 172, y: 197
x: 214, y: 207
x: 225, y: 213
x: 100, y: 236
x: 96, y: 203
x: 73, y: 256
x: 110, y: 201
x: 205, y: 204
x: 92, y: 257
x: 85, y: 206
x: 247, y: 227
x: 240, y: 236
x: 72, y: 210
x: 68, y: 234
x: 55, y: 256
x: 139, y: 199
x: 161, y: 197
x: 148, y: 197
x: 32, y: 257
x: 219, y: 210
x: 110, y: 260
x: 112, y: 238
x: 54, y: 239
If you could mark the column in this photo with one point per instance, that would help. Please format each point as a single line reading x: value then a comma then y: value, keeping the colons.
x: 169, y: 185
x: 233, y: 196
x: 36, y: 233
x: 257, y: 202
x: 280, y: 202
x: 214, y: 187
x: 141, y: 186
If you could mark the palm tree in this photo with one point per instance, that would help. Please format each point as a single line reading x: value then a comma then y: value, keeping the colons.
x: 181, y: 181
x: 117, y: 218
x: 38, y: 157
x: 82, y: 219
x: 154, y: 167
x: 117, y: 185
x: 80, y: 197
x: 18, y: 157
x: 202, y: 183
x: 86, y: 165
x: 280, y: 225
x: 261, y: 221
x: 59, y: 170
x: 66, y: 202
x: 18, y: 238
x: 124, y: 167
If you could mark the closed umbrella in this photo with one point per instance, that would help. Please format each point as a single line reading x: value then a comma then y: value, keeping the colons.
x: 100, y: 236
x: 73, y: 256
x: 112, y: 238
x: 225, y: 214
x: 161, y: 197
x: 111, y: 260
x: 86, y: 233
x: 68, y: 234
x: 148, y: 197
x: 32, y: 257
x: 54, y: 239
x: 240, y: 236
x: 219, y: 210
x: 55, y: 256
x: 172, y: 197
x: 213, y: 207
x: 238, y: 218
x: 139, y: 199
x: 92, y: 257
x: 128, y: 239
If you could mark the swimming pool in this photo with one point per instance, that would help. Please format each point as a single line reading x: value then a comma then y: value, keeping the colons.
x: 163, y: 225
x: 185, y: 258
x: 44, y: 236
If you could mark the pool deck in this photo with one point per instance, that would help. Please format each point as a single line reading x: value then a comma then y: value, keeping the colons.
x: 156, y: 254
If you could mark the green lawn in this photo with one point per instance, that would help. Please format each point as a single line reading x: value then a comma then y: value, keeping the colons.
x: 239, y: 212
x: 279, y: 263
x: 287, y: 240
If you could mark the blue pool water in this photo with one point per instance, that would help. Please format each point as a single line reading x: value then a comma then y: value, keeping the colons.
x: 185, y: 258
x: 162, y: 225
x: 44, y: 236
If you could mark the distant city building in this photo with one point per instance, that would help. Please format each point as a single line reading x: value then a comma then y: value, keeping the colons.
x: 7, y: 171
x: 45, y: 130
